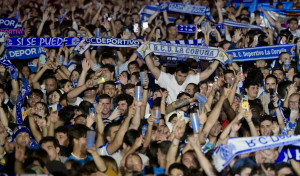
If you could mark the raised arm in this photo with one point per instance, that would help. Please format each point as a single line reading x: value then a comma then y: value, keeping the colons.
x: 117, y: 141
x: 45, y: 18
x: 153, y: 69
x: 208, y: 71
x: 72, y: 95
x: 178, y: 104
x: 100, y: 125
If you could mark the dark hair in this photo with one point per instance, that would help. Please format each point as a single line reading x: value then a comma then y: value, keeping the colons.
x: 293, y: 19
x: 109, y: 83
x: 282, y: 88
x: 130, y: 137
x: 196, y: 87
x: 280, y: 55
x: 228, y: 71
x: 49, y: 139
x: 183, y: 68
x: 164, y: 147
x: 133, y: 63
x: 66, y: 114
x: 266, y: 117
x: 51, y: 92
x: 278, y: 68
x: 61, y: 83
x: 249, y: 83
x: 178, y: 166
x: 61, y: 129
x: 170, y: 25
x: 103, y: 96
x: 107, y: 128
x: 282, y: 165
x: 156, y: 102
x: 183, y: 93
x: 126, y: 97
x: 127, y: 86
x: 271, y: 76
x: 111, y: 68
x: 84, y: 106
x: 77, y: 131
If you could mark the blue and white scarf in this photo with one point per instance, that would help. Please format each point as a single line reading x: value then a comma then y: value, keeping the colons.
x: 8, y: 65
x: 241, y: 25
x: 237, y: 146
x: 45, y: 41
x: 24, y: 92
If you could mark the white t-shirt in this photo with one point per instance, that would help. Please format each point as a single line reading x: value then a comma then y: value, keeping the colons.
x: 169, y: 82
x: 118, y: 158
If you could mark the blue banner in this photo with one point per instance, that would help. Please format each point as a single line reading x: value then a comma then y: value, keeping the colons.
x: 24, y: 92
x: 23, y: 53
x: 45, y: 42
x: 289, y: 152
x: 241, y: 25
x: 186, y: 8
x: 259, y: 4
x: 191, y: 28
x: 10, y: 23
x: 261, y: 53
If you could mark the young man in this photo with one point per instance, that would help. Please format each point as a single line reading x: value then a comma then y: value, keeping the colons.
x: 51, y: 145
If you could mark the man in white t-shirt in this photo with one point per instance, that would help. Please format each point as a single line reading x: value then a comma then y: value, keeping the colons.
x: 177, y: 82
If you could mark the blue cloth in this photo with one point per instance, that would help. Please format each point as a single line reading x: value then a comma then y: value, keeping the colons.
x: 82, y: 162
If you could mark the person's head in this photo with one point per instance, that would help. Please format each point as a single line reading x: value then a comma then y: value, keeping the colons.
x: 123, y: 102
x: 260, y: 64
x: 216, y: 129
x: 203, y: 88
x: 279, y: 73
x: 21, y: 136
x: 265, y: 125
x: 50, y: 83
x: 51, y: 145
x: 34, y: 96
x: 107, y: 58
x: 130, y: 137
x: 294, y: 101
x: 25, y: 71
x: 189, y: 159
x: 172, y: 30
x: 61, y: 134
x: 182, y: 96
x: 134, y: 163
x: 133, y: 67
x: 65, y: 85
x: 181, y: 73
x: 54, y: 96
x: 111, y: 130
x: 283, y: 57
x: 80, y: 119
x: 109, y: 88
x: 129, y: 89
x: 251, y: 88
x: 41, y: 109
x: 105, y: 100
x: 271, y: 83
x: 177, y: 169
x: 283, y: 168
x: 74, y: 75
x: 162, y: 151
x: 293, y: 24
x: 108, y: 72
x: 296, y: 80
x: 77, y: 137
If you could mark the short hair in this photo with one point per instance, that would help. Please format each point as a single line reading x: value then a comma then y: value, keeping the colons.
x: 156, y: 102
x: 282, y: 165
x: 249, y: 83
x: 51, y: 77
x: 280, y: 55
x: 124, y: 97
x: 133, y: 63
x: 107, y: 128
x: 61, y: 129
x: 282, y: 88
x: 127, y: 86
x: 164, y: 147
x: 130, y: 137
x: 49, y: 139
x: 178, y: 166
x: 84, y: 106
x: 265, y: 117
x: 66, y: 114
x: 183, y: 68
x: 278, y: 68
x: 293, y: 19
x: 228, y: 71
x: 183, y: 93
x: 77, y: 131
x: 271, y: 76
x: 111, y: 68
x: 109, y: 83
x: 196, y: 87
x: 170, y: 25
x: 104, y: 96
x: 36, y: 92
x: 294, y: 94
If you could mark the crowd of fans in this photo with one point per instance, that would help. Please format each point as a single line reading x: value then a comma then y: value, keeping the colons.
x: 58, y: 111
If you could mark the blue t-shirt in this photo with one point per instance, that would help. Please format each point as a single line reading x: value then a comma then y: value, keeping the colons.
x: 82, y: 162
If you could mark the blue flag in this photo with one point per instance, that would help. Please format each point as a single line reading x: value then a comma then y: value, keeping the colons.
x: 24, y: 92
x: 24, y: 53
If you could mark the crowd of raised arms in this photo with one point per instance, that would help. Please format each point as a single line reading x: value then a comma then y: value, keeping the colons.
x: 111, y: 112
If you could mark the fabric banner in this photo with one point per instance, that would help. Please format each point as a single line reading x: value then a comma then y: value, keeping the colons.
x: 2, y: 36
x: 8, y: 65
x: 236, y: 146
x: 23, y: 53
x: 289, y: 152
x: 24, y: 92
x: 14, y: 32
x: 241, y: 25
x: 261, y: 53
x: 283, y: 15
x: 252, y: 6
x: 186, y: 51
x: 10, y: 23
x: 45, y: 42
x: 186, y: 8
x: 148, y: 10
x: 63, y: 16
